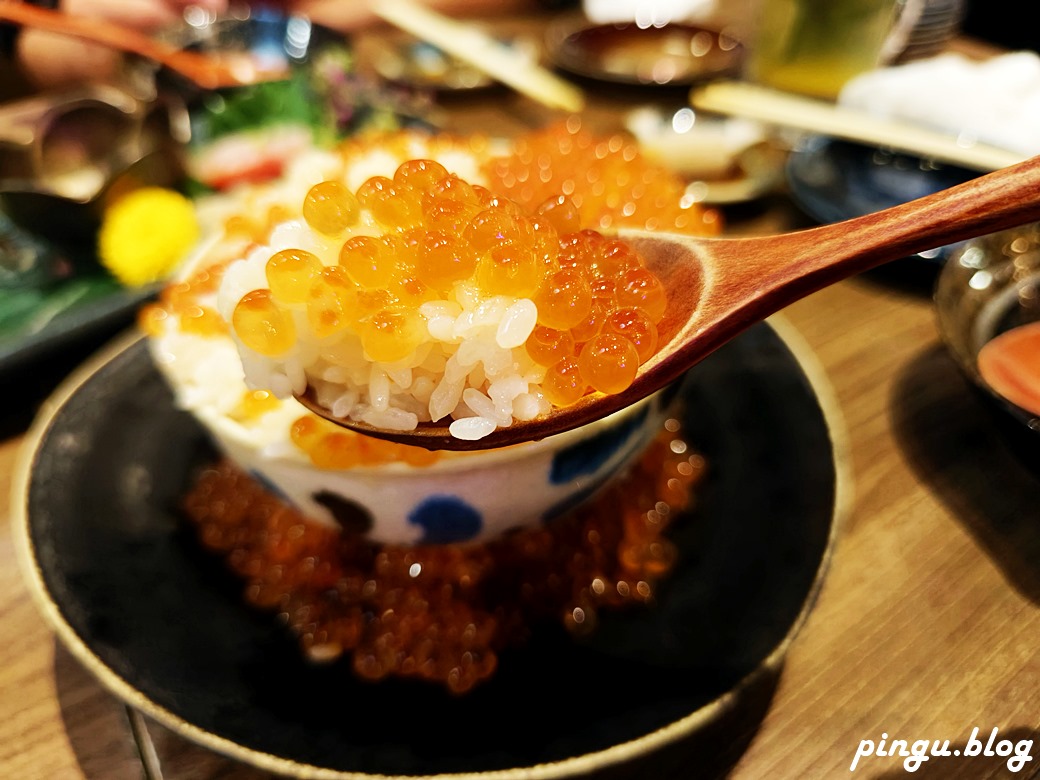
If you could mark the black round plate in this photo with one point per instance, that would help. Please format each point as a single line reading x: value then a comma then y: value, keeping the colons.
x: 833, y: 180
x: 164, y: 627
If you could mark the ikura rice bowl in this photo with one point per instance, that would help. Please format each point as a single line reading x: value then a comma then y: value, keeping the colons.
x: 410, y: 277
x: 419, y: 294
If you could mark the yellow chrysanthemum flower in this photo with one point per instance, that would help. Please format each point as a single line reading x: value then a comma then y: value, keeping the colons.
x: 145, y: 234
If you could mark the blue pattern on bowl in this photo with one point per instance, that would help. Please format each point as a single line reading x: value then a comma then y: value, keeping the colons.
x: 574, y: 500
x: 446, y: 519
x: 470, y: 498
x: 586, y: 457
x: 351, y: 515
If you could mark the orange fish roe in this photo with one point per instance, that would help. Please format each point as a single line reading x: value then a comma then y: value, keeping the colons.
x: 263, y: 325
x: 444, y: 613
x: 254, y: 403
x: 608, y: 180
x: 325, y: 444
x: 579, y: 280
x: 181, y: 299
x: 330, y: 446
x: 253, y: 228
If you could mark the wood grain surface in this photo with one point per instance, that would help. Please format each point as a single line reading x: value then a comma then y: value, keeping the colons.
x: 927, y: 626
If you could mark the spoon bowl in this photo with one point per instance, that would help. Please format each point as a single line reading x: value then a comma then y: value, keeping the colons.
x: 718, y: 287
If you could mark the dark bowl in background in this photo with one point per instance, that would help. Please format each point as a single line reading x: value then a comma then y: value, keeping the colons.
x: 67, y: 154
x: 988, y: 286
x: 674, y: 54
x: 831, y: 180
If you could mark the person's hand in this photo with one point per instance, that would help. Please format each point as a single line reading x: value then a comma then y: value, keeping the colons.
x: 49, y: 59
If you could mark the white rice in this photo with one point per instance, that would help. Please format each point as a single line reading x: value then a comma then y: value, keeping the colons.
x: 472, y: 367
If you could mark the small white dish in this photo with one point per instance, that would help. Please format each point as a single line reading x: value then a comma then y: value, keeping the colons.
x: 726, y: 160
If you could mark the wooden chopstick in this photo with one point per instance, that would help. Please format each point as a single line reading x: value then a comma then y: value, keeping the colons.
x: 751, y: 101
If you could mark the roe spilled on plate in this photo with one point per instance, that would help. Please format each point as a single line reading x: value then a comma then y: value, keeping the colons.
x: 417, y: 290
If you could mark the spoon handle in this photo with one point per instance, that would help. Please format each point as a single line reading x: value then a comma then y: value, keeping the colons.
x: 1003, y: 199
x: 795, y: 264
x: 731, y: 283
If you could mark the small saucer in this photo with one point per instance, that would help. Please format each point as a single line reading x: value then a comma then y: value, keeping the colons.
x: 54, y: 299
x: 724, y: 160
x: 759, y: 170
x: 675, y: 54
x: 64, y: 157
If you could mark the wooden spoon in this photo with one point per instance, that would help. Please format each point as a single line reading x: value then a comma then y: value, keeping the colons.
x: 718, y: 287
x: 209, y: 71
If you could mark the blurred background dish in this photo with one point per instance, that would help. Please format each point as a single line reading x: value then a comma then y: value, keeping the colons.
x: 51, y: 298
x: 991, y: 286
x: 759, y: 171
x: 725, y: 160
x: 249, y: 133
x: 691, y: 143
x: 832, y: 180
x: 65, y: 156
x: 406, y: 60
x: 923, y: 28
x: 626, y: 53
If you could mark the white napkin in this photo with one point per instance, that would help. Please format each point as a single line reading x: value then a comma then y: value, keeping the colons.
x: 995, y: 101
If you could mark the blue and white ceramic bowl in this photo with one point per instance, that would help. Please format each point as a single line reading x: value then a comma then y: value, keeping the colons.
x: 459, y: 498
x: 462, y: 497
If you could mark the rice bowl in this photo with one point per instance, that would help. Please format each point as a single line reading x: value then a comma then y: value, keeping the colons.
x: 245, y: 399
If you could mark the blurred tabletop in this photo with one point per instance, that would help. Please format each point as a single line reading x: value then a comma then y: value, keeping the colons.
x: 927, y: 625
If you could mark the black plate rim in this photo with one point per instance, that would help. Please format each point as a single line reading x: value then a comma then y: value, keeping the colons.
x: 833, y: 419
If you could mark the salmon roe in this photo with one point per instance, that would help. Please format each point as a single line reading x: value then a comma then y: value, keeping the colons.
x: 330, y: 446
x: 263, y: 325
x: 325, y: 444
x: 330, y: 208
x: 532, y: 220
x: 443, y: 614
x: 183, y: 300
x: 609, y: 183
x: 579, y: 279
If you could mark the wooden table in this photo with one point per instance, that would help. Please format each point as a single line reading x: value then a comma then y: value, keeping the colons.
x: 927, y: 626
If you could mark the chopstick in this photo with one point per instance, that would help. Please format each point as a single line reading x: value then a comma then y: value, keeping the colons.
x: 475, y: 47
x: 780, y: 108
